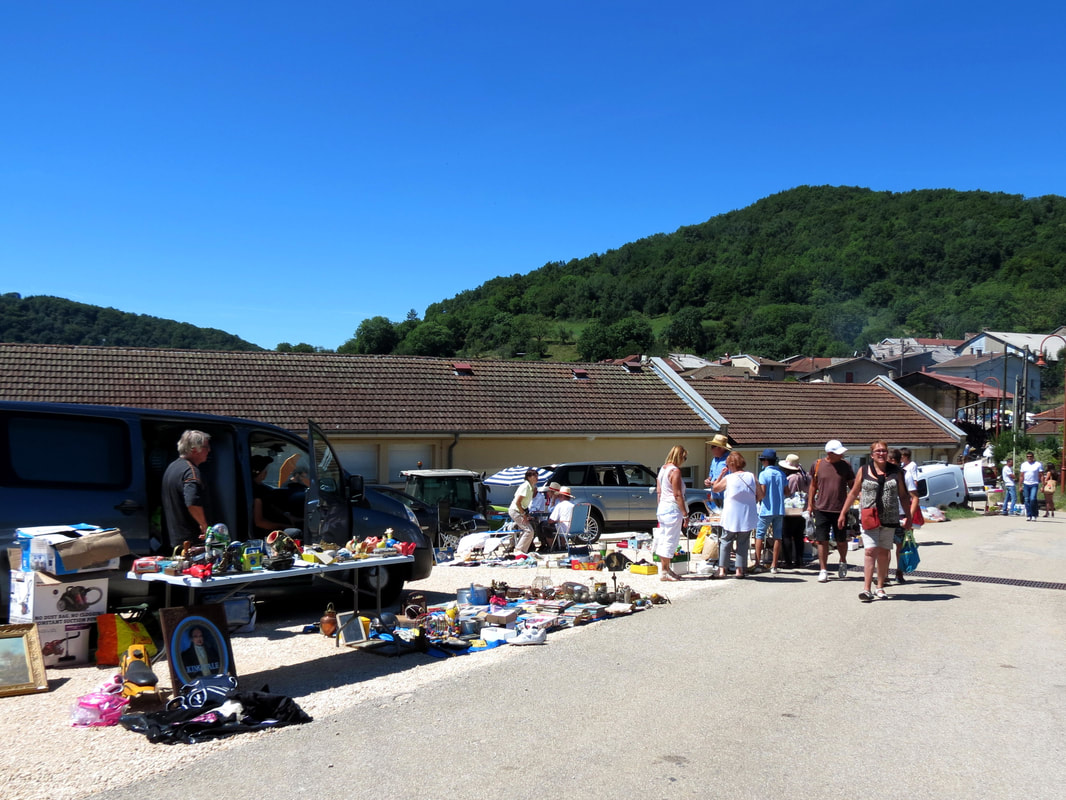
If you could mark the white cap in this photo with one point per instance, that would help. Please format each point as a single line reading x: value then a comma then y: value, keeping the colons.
x: 834, y: 446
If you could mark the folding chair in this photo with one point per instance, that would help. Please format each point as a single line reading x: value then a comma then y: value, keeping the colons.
x: 578, y: 522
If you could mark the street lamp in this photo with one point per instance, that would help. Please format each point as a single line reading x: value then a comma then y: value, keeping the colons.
x: 1041, y: 362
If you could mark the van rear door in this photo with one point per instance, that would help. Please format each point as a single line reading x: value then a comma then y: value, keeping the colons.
x: 63, y: 468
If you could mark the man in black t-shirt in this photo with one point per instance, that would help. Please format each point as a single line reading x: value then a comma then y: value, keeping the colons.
x: 185, y: 500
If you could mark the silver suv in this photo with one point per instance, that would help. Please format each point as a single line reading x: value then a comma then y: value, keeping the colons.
x: 621, y: 494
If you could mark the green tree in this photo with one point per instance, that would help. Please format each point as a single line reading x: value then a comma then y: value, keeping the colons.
x: 374, y: 336
x: 685, y: 331
x: 428, y: 339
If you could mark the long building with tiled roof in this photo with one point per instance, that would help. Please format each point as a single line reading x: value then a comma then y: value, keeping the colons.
x: 804, y: 416
x: 482, y: 415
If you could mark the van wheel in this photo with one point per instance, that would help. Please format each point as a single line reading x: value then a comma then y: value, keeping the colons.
x: 385, y: 578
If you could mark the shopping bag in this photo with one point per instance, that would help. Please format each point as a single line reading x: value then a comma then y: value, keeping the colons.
x: 701, y: 540
x: 711, y: 548
x: 909, y: 557
x: 115, y: 635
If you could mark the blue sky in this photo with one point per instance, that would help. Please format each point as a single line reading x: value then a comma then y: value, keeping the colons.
x: 284, y: 170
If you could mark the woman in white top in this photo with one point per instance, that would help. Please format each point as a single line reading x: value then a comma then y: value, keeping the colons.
x: 671, y: 511
x: 739, y: 512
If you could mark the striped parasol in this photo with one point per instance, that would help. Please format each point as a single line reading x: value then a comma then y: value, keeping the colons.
x: 512, y: 476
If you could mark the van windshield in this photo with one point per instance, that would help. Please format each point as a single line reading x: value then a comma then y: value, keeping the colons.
x: 459, y: 492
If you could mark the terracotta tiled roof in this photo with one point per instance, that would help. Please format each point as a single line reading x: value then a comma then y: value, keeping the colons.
x: 806, y: 364
x: 969, y: 384
x: 353, y: 393
x: 1045, y: 427
x: 766, y: 414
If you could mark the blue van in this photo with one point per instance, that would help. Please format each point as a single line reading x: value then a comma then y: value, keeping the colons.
x: 62, y: 464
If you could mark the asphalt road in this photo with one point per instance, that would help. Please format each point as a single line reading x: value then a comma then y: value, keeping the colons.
x: 774, y: 686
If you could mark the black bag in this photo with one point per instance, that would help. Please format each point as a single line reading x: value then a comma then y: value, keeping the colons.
x: 259, y: 710
x: 204, y: 692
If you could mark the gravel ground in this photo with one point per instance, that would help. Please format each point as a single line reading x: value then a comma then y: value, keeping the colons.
x: 323, y: 678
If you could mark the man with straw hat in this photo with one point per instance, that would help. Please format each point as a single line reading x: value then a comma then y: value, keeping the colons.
x: 720, y: 448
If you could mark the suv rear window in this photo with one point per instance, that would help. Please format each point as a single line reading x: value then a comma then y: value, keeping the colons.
x: 64, y: 451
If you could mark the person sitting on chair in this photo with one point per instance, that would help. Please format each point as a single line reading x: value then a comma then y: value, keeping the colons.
x: 561, y: 515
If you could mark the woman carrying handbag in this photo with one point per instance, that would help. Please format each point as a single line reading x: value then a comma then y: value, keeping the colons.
x: 878, y: 485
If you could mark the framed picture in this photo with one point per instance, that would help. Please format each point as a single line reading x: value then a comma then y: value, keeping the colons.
x: 197, y: 643
x: 349, y: 628
x: 21, y: 661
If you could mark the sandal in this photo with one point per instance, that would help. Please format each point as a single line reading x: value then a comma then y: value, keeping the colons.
x: 880, y: 594
x: 866, y: 597
x: 670, y: 576
x: 899, y: 576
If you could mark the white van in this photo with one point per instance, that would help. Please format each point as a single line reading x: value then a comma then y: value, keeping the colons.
x: 941, y: 485
x: 978, y: 477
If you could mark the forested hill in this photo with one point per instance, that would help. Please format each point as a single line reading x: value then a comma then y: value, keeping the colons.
x: 53, y: 320
x: 813, y: 270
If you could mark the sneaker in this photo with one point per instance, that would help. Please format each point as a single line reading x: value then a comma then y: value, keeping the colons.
x: 866, y: 597
x: 773, y: 570
x: 842, y: 570
x: 880, y: 594
x: 823, y: 577
x: 530, y: 636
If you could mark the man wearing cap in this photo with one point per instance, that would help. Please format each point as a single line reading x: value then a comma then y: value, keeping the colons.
x: 831, y: 479
x: 720, y: 448
x: 771, y: 508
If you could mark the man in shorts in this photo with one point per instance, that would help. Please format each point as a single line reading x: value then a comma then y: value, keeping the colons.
x: 771, y: 508
x: 831, y: 480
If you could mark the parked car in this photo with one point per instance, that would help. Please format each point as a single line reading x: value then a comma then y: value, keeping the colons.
x: 621, y: 494
x: 941, y: 485
x: 62, y: 464
x: 460, y: 521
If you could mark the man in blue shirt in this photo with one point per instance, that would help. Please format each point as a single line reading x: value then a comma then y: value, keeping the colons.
x: 719, y: 452
x: 771, y: 507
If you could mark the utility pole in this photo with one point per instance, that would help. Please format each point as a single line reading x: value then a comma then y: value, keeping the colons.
x: 1025, y: 390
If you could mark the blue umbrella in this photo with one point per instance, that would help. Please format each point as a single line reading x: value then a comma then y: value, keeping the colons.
x: 512, y: 476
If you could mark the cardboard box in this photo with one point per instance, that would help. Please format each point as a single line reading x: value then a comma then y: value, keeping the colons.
x: 66, y: 644
x: 47, y: 600
x: 504, y: 617
x: 71, y: 549
x: 644, y: 569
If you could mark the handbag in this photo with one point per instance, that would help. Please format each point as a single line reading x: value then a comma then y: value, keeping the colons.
x: 918, y: 520
x: 908, y: 557
x: 869, y: 518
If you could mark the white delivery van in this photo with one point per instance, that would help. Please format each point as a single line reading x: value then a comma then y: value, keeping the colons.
x: 941, y: 485
x: 978, y: 477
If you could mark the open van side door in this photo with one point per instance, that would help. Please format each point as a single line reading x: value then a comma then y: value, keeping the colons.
x: 327, y: 515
